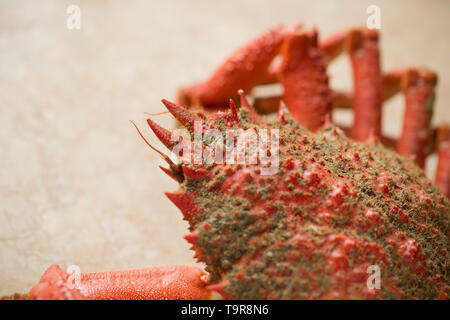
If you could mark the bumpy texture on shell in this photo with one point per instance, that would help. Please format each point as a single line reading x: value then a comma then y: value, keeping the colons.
x: 311, y: 230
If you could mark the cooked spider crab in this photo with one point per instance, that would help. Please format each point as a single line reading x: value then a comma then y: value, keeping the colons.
x: 341, y: 201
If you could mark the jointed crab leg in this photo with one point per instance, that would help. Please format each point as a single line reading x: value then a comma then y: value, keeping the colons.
x: 418, y: 89
x: 332, y: 46
x: 304, y: 79
x: 391, y: 85
x: 245, y: 68
x: 156, y: 283
x: 442, y: 179
x: 307, y: 96
x: 249, y: 66
x: 362, y: 47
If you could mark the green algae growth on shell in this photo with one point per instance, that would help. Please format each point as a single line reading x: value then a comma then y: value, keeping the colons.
x: 311, y: 230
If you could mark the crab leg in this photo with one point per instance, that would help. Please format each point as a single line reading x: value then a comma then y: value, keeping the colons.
x: 332, y: 46
x: 270, y: 104
x: 442, y: 179
x: 155, y: 283
x: 418, y: 89
x: 304, y: 79
x: 367, y: 97
x: 245, y: 67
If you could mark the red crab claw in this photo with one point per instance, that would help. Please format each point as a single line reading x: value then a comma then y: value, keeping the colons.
x: 245, y: 68
x: 155, y: 283
x: 304, y: 79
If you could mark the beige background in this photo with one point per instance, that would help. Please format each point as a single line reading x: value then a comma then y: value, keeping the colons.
x: 77, y: 185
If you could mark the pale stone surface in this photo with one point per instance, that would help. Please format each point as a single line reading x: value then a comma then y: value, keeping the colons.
x: 77, y: 185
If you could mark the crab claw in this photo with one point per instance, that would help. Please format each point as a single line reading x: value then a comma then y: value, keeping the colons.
x: 154, y: 283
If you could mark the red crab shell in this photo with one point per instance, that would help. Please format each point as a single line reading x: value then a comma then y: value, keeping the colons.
x: 312, y: 229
